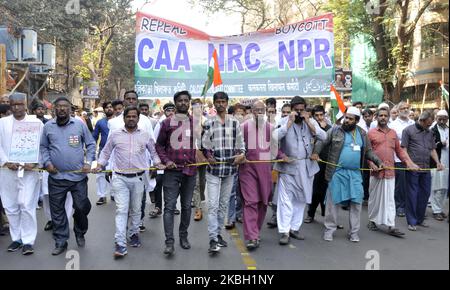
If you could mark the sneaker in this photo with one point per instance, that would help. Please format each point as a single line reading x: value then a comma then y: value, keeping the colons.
x: 27, y: 250
x: 221, y: 242
x: 328, y: 237
x: 176, y: 212
x: 135, y: 241
x: 412, y: 228
x: 15, y: 246
x: 296, y: 235
x: 354, y: 238
x: 101, y: 201
x: 120, y: 251
x: 213, y: 247
x: 141, y: 227
x: 252, y: 245
x: 184, y: 243
x: 284, y: 240
x: 308, y: 220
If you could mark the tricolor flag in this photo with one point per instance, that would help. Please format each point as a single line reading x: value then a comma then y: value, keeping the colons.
x: 444, y: 92
x: 213, y: 74
x: 336, y: 100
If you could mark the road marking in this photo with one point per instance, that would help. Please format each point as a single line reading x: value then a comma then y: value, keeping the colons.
x: 247, y: 259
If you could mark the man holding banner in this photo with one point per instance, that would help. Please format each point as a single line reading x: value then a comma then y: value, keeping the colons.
x: 19, y: 158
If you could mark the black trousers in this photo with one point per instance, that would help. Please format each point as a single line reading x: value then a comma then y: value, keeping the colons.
x: 320, y: 186
x: 58, y: 190
x: 176, y: 184
x: 155, y: 194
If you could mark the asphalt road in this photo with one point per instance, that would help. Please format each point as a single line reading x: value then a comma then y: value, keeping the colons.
x: 428, y: 248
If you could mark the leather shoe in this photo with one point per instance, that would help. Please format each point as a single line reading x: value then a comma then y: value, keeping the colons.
x: 184, y: 243
x: 48, y: 226
x: 81, y: 242
x: 230, y: 226
x: 59, y: 249
x: 169, y: 250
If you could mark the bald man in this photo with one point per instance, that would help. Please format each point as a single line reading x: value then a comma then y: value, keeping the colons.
x: 19, y: 180
x: 256, y: 178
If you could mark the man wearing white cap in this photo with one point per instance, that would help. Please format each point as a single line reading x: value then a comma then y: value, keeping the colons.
x: 374, y: 124
x: 19, y: 180
x: 349, y: 146
x: 439, y: 184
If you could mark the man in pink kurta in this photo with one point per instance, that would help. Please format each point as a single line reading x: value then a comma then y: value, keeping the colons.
x: 255, y: 178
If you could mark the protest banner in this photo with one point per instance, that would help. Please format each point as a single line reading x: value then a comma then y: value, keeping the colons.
x: 297, y: 59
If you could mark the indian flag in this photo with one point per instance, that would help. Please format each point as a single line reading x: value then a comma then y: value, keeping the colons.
x: 444, y: 92
x: 336, y: 103
x: 213, y: 74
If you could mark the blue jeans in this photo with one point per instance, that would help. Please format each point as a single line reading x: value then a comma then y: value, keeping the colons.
x: 235, y: 206
x: 219, y: 191
x: 128, y: 197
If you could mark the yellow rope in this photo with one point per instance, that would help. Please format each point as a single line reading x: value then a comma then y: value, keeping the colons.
x: 248, y: 161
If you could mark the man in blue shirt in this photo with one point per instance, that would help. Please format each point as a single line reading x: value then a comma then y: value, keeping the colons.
x: 62, y: 147
x: 101, y: 130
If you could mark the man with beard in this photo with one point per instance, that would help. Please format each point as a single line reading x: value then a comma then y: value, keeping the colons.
x: 130, y: 145
x: 349, y: 146
x: 296, y: 135
x: 320, y: 184
x: 440, y: 178
x: 18, y: 180
x: 222, y: 142
x: 255, y: 178
x: 63, y: 144
x: 176, y: 148
x: 39, y: 110
x: 385, y: 145
x: 398, y: 126
x: 101, y: 130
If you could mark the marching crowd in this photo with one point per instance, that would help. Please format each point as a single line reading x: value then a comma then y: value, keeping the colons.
x: 236, y: 160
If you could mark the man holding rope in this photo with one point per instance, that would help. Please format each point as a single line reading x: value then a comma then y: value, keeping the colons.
x: 349, y: 146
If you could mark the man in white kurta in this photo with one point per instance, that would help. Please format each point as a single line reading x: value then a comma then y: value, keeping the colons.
x: 296, y: 135
x: 439, y: 181
x: 18, y: 181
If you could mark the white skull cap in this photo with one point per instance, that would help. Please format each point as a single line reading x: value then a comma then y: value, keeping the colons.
x: 354, y: 111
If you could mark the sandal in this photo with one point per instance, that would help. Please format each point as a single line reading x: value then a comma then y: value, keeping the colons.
x: 396, y: 233
x: 372, y: 226
x: 155, y: 213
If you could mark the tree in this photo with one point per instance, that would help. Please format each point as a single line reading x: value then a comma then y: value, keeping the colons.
x: 390, y: 27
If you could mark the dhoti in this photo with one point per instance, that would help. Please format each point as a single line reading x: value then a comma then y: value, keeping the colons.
x: 381, y: 208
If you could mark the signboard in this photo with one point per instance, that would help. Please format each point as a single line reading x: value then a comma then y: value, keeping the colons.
x: 25, y: 142
x: 91, y: 90
x: 297, y: 59
x: 343, y: 80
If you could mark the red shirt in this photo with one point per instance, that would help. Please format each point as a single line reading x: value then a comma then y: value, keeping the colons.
x: 384, y: 144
